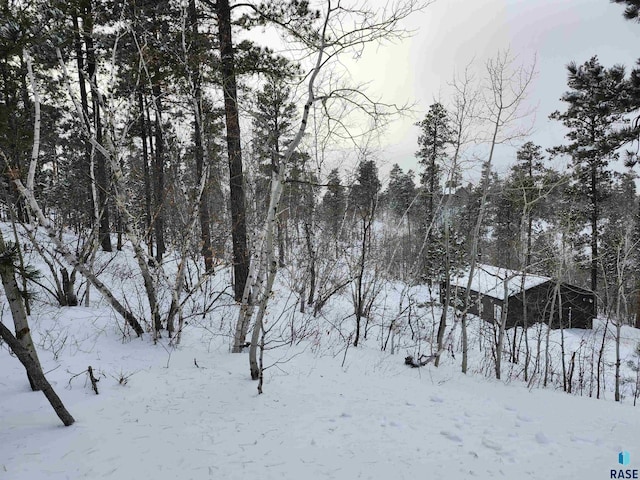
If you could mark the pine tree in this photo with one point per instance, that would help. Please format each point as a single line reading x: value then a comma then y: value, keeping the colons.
x: 334, y: 203
x: 272, y: 125
x: 594, y: 115
x: 518, y: 203
x: 400, y: 201
x: 632, y: 11
x: 435, y: 137
x: 632, y: 134
x: 401, y: 191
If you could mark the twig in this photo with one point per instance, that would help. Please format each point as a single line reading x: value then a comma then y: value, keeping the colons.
x: 94, y: 380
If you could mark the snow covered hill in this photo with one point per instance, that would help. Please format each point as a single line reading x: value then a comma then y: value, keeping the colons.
x: 327, y: 412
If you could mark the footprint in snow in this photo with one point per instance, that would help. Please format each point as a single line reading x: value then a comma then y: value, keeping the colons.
x: 542, y: 439
x: 384, y: 422
x: 524, y: 418
x: 436, y: 399
x: 451, y: 436
x: 491, y: 444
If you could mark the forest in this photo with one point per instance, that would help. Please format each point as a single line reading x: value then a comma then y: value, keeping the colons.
x: 209, y: 166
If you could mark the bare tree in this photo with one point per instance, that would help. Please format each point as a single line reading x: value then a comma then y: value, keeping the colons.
x: 341, y: 30
x: 462, y: 114
x: 503, y: 112
x: 618, y: 309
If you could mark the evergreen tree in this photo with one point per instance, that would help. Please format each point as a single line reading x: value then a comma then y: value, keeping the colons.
x: 632, y: 134
x: 518, y: 203
x: 334, y: 203
x: 632, y: 10
x: 401, y: 191
x: 595, y: 111
x: 364, y: 193
x: 506, y: 227
x: 436, y: 135
x: 272, y: 125
x: 400, y: 201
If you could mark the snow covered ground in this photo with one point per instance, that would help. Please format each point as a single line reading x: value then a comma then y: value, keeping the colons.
x: 327, y: 413
x: 373, y: 418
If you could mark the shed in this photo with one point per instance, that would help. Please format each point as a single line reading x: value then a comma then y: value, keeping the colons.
x: 494, y: 287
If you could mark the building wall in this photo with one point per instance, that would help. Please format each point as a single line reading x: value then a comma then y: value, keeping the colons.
x: 578, y: 306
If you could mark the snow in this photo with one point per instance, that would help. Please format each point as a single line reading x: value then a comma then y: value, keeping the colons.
x: 374, y: 418
x: 327, y: 412
x: 489, y: 280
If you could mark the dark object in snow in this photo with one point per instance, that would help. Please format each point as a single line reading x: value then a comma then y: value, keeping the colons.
x: 575, y: 308
x: 94, y: 380
x: 422, y: 361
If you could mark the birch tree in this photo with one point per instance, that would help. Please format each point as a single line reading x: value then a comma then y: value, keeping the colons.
x: 463, y: 113
x: 504, y: 110
x: 342, y: 29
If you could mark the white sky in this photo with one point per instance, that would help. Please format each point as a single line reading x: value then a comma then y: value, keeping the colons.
x: 451, y: 33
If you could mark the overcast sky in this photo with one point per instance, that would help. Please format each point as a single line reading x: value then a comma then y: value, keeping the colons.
x: 451, y: 33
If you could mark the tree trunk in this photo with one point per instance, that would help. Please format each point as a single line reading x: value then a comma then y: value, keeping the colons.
x: 502, y: 326
x: 176, y: 306
x: 620, y: 296
x: 281, y: 252
x: 447, y: 294
x: 268, y: 256
x: 525, y: 331
x: 34, y: 371
x: 144, y: 134
x: 102, y: 183
x: 258, y: 327
x: 599, y: 367
x: 75, y: 262
x: 18, y: 312
x: 203, y: 204
x: 359, y: 306
x: 547, y: 362
x: 158, y: 173
x: 562, y: 349
x: 236, y: 178
x: 594, y: 230
x: 84, y: 101
x: 308, y: 235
